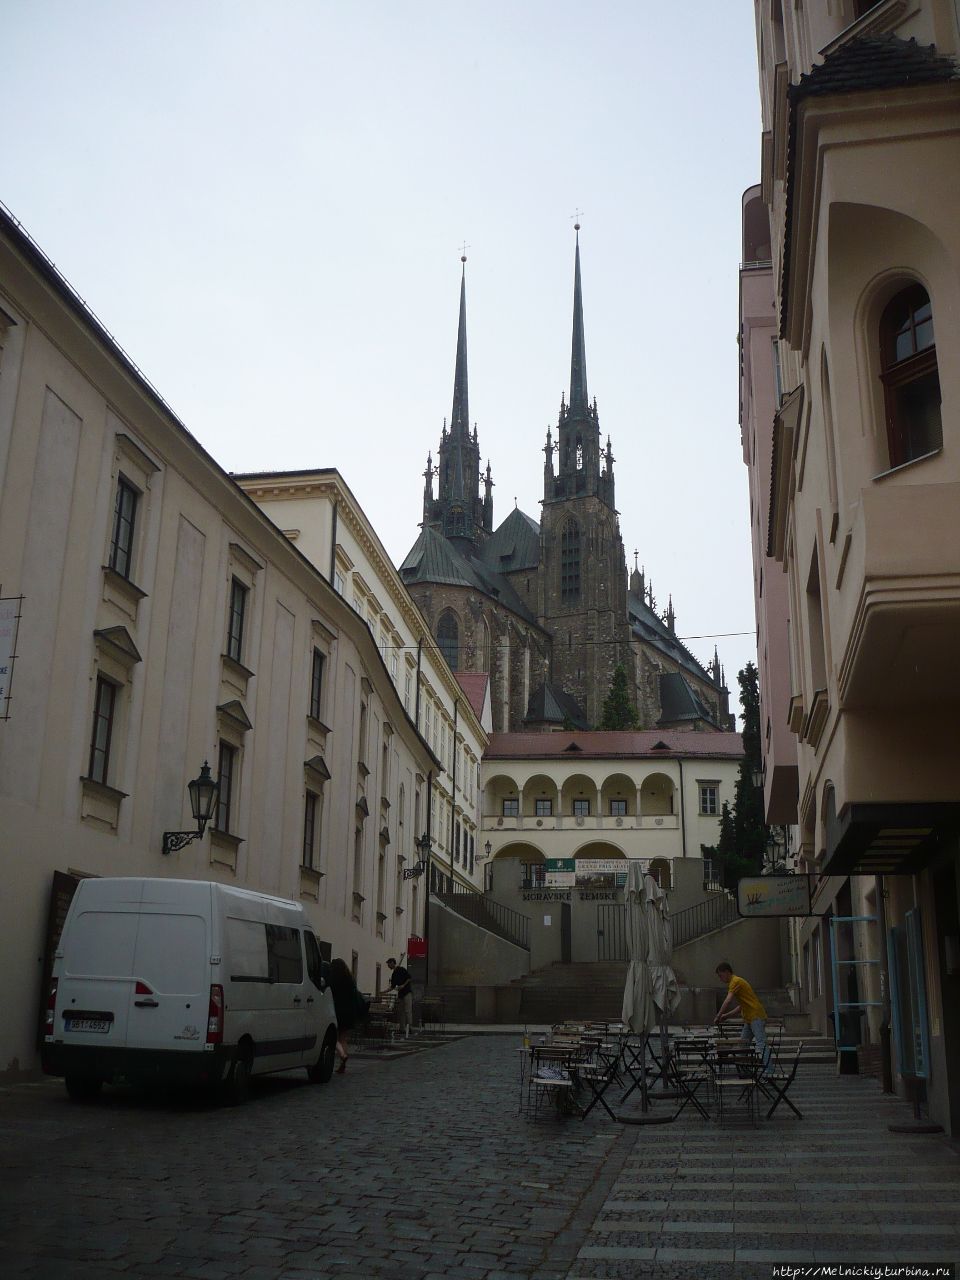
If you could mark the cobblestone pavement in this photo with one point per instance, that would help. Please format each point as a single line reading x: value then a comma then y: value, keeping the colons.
x: 420, y: 1168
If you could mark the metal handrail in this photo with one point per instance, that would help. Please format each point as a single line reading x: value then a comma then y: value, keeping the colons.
x: 492, y: 916
x: 703, y: 918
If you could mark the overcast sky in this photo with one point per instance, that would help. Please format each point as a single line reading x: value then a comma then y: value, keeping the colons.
x: 265, y: 203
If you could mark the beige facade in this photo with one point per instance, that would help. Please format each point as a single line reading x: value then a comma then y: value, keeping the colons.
x: 166, y: 621
x: 319, y: 514
x: 604, y: 796
x: 861, y: 157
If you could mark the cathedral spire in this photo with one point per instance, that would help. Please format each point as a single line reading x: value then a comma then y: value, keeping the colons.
x: 579, y: 402
x: 460, y: 417
x: 459, y: 511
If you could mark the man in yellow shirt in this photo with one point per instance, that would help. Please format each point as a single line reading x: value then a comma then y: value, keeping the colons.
x: 743, y: 1000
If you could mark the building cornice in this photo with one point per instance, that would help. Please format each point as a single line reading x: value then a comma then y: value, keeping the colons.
x: 330, y: 484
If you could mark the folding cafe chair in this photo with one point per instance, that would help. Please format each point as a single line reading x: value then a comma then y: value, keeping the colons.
x: 776, y: 1084
x: 600, y: 1073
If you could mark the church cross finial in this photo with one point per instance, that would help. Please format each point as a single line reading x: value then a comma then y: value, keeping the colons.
x: 576, y: 215
x: 463, y: 251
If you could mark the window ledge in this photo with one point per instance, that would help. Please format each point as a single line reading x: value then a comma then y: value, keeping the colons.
x: 224, y: 848
x: 310, y: 883
x: 911, y: 463
x: 225, y: 838
x: 125, y: 586
x: 102, y: 790
x: 317, y: 725
x: 100, y: 804
x: 236, y: 668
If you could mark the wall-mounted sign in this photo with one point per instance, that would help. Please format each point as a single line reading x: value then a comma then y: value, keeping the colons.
x: 9, y: 623
x: 418, y: 868
x: 560, y: 873
x: 774, y: 896
x: 606, y: 871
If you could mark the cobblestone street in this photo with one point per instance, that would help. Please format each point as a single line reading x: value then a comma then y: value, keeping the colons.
x: 419, y: 1168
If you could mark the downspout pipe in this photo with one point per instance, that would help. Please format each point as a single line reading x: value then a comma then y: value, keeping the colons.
x: 333, y: 544
x: 426, y: 878
x: 416, y: 710
x: 886, y: 1063
x: 453, y: 783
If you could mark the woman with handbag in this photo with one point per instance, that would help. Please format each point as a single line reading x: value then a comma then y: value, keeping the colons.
x: 349, y: 1005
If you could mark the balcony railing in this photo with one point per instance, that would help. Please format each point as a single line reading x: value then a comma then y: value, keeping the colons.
x: 587, y: 822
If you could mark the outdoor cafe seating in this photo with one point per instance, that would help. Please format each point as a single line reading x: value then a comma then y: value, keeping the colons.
x: 579, y: 1067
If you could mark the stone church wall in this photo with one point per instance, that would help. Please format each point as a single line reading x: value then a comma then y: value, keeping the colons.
x: 516, y: 653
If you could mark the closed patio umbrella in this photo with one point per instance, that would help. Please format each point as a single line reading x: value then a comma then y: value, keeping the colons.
x: 664, y: 988
x: 639, y: 1011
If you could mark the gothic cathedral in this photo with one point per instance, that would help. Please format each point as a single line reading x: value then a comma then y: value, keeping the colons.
x: 547, y: 609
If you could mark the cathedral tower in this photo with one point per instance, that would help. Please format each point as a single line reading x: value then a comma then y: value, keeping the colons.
x: 458, y: 511
x: 583, y: 580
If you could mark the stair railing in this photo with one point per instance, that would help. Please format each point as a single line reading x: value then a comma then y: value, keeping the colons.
x: 492, y: 916
x: 703, y: 918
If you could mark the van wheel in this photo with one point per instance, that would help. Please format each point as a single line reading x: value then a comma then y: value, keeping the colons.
x: 321, y: 1070
x: 237, y: 1085
x: 83, y: 1088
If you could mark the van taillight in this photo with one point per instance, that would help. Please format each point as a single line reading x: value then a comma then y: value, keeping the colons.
x: 215, y: 1015
x: 51, y: 1007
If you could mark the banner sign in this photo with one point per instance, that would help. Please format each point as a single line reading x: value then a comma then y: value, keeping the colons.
x: 560, y: 873
x: 9, y: 622
x: 774, y: 896
x: 591, y: 870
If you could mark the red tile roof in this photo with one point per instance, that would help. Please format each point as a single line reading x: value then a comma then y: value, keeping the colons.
x: 474, y: 685
x: 606, y: 745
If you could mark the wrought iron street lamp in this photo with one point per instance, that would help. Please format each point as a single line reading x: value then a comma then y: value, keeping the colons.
x: 488, y: 848
x: 203, y: 800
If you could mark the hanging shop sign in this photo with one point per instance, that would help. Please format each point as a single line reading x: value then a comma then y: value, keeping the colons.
x: 775, y: 896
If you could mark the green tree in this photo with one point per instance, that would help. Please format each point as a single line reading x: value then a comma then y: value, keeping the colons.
x: 618, y: 711
x: 743, y: 832
x: 749, y: 827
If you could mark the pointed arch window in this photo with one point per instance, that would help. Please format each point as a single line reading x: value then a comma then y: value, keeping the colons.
x: 456, y: 525
x: 911, y: 380
x: 570, y: 561
x: 448, y: 638
x: 484, y: 647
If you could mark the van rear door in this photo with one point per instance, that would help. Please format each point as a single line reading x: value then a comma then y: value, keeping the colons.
x: 171, y: 980
x: 93, y: 996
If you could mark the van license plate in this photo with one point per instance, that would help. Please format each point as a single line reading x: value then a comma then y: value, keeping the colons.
x: 87, y: 1024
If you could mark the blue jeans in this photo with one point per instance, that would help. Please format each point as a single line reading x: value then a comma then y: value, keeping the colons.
x: 757, y: 1032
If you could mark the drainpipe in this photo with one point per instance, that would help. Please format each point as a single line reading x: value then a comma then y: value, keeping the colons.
x: 453, y: 784
x: 333, y: 544
x: 426, y: 880
x: 886, y: 1065
x: 416, y: 710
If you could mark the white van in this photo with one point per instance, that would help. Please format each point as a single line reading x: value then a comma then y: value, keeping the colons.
x: 185, y: 981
